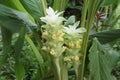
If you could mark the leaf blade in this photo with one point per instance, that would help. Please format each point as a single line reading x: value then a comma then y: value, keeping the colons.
x: 100, y: 62
x: 13, y: 19
x: 106, y: 36
x: 34, y: 7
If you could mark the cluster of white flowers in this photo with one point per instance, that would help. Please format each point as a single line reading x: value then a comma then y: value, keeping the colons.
x: 52, y: 17
x: 73, y: 30
x: 60, y: 38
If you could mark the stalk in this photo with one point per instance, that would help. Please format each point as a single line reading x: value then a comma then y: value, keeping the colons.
x: 64, y: 70
x: 57, y: 72
x: 44, y: 4
x: 92, y: 9
x: 83, y: 21
x: 76, y: 65
x: 84, y: 12
x: 59, y: 69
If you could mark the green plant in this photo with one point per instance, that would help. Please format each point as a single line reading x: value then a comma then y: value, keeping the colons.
x: 59, y: 37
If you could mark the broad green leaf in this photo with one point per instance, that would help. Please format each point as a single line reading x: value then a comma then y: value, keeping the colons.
x: 60, y: 5
x: 1, y: 1
x: 108, y: 2
x: 114, y: 54
x: 11, y: 24
x: 6, y: 39
x: 101, y: 62
x: 16, y: 4
x: 19, y: 68
x: 19, y: 43
x: 106, y: 36
x: 34, y: 7
x: 13, y: 19
x: 113, y: 17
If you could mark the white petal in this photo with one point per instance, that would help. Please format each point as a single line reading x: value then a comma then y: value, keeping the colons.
x: 73, y: 30
x: 56, y: 12
x: 52, y: 17
x: 76, y: 24
x: 81, y: 30
x: 50, y: 11
x: 59, y: 13
x: 43, y: 19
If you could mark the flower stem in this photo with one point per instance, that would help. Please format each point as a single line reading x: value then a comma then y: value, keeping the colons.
x: 44, y: 4
x: 57, y: 69
x: 92, y: 9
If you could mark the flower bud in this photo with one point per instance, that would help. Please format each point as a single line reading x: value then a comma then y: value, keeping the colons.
x: 52, y: 52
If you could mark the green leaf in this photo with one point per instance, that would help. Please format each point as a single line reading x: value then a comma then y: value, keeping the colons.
x: 6, y: 39
x: 108, y: 2
x: 10, y: 24
x: 106, y: 36
x: 19, y: 43
x: 34, y: 7
x: 16, y: 4
x: 19, y: 68
x: 19, y: 71
x: 1, y: 1
x: 60, y: 5
x: 114, y: 54
x: 13, y: 19
x: 101, y: 62
x: 35, y: 50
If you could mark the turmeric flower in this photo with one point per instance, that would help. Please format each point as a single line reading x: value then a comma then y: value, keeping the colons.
x: 73, y: 30
x: 52, y: 17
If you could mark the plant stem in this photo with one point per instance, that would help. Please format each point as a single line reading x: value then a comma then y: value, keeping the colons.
x: 84, y: 12
x: 92, y: 9
x: 57, y: 72
x: 76, y: 66
x: 44, y: 4
x: 83, y: 21
x: 82, y: 65
x: 64, y: 70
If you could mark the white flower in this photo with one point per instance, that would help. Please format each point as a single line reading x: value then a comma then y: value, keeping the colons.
x: 72, y: 29
x: 52, y: 17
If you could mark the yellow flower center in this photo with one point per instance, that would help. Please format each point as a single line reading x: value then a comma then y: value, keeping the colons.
x: 61, y: 39
x: 52, y: 52
x: 70, y: 44
x: 76, y: 58
x: 78, y: 46
x: 53, y: 36
x: 61, y: 32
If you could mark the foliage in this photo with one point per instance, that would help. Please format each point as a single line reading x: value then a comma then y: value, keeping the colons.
x: 101, y: 62
x: 27, y: 53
